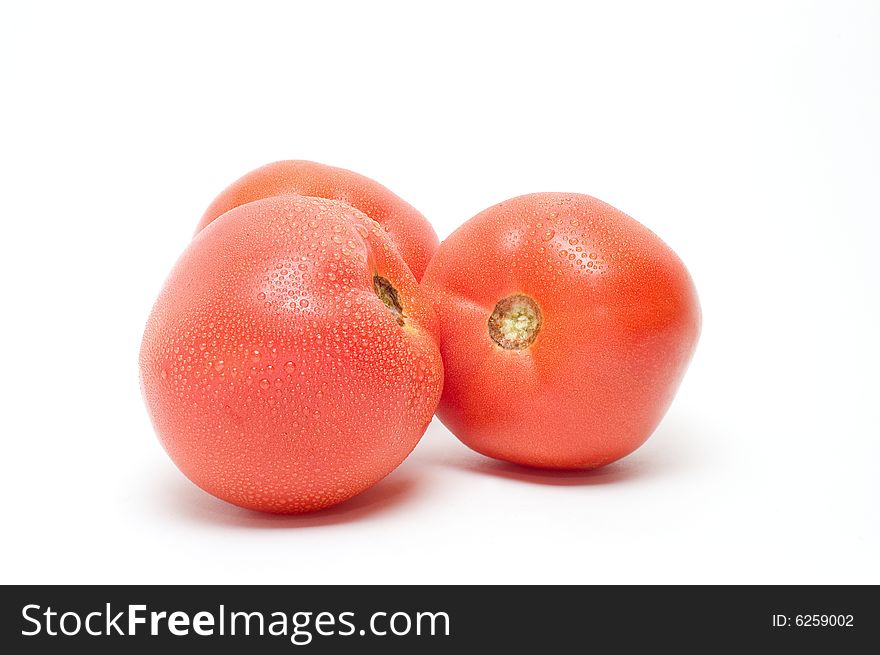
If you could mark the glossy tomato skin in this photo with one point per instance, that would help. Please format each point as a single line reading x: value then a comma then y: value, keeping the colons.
x: 408, y: 229
x: 275, y: 376
x: 619, y: 321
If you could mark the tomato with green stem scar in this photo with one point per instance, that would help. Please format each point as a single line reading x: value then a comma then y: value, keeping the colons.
x: 565, y: 327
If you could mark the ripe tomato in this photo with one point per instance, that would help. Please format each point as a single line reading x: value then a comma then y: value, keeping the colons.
x: 290, y: 360
x: 408, y: 229
x: 566, y: 328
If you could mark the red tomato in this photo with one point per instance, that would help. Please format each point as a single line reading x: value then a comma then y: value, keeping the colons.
x: 408, y: 229
x: 566, y: 328
x: 289, y: 362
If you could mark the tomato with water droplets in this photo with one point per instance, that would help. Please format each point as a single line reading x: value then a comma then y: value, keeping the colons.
x: 408, y: 229
x: 565, y: 328
x: 286, y: 370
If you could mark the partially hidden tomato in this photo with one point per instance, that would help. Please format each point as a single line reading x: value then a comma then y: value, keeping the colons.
x: 290, y: 361
x: 566, y: 327
x: 408, y: 229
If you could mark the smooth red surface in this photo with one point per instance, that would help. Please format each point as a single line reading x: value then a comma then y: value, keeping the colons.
x: 408, y: 229
x: 620, y: 323
x: 275, y: 377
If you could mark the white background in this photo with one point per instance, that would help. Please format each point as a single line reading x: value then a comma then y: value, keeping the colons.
x: 747, y: 135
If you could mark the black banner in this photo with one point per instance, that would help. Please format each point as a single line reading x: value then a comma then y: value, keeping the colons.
x: 110, y: 619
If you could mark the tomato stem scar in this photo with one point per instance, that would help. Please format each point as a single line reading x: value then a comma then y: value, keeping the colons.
x: 388, y: 295
x: 515, y: 322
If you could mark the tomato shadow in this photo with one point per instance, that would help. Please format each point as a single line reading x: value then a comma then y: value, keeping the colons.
x: 186, y: 501
x: 613, y: 473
